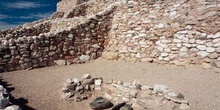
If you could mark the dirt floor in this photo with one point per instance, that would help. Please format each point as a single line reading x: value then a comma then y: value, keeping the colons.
x: 40, y: 88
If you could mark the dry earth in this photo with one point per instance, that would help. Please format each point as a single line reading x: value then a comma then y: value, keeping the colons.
x: 41, y: 87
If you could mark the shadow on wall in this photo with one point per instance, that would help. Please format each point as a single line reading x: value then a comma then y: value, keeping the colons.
x: 20, y: 101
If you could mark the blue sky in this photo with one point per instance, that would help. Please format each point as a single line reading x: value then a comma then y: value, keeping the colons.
x: 17, y: 12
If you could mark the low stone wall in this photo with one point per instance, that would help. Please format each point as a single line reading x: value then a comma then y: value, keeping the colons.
x: 26, y: 30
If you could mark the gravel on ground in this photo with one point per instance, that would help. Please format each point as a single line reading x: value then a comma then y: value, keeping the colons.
x: 42, y: 87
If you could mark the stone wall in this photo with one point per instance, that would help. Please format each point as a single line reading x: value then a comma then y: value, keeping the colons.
x: 78, y: 44
x: 67, y: 5
x: 166, y: 32
x: 26, y: 30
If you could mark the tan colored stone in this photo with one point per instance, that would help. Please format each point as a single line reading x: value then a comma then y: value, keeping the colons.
x: 110, y: 55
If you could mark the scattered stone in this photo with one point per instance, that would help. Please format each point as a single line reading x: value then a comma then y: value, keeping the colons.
x: 84, y: 58
x: 120, y: 83
x: 66, y: 95
x: 60, y: 62
x: 98, y: 82
x: 148, y: 97
x: 134, y: 93
x: 160, y: 88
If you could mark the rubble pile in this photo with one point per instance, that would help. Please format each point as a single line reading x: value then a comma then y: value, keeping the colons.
x: 137, y: 96
x: 80, y: 89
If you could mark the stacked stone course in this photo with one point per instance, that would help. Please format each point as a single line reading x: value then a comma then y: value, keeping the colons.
x: 77, y: 44
x: 177, y: 32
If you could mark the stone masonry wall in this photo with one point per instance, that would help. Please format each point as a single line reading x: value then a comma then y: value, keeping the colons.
x: 77, y: 44
x: 176, y: 32
x: 67, y: 5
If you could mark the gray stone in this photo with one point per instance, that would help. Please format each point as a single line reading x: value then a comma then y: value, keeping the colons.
x: 76, y: 80
x: 213, y: 56
x: 84, y: 58
x: 183, y: 49
x: 13, y: 107
x: 172, y: 94
x: 98, y: 82
x: 164, y: 54
x: 160, y: 26
x: 60, y: 62
x: 178, y: 98
x: 194, y: 50
x: 210, y: 49
x: 160, y: 88
x: 119, y: 82
x: 138, y: 55
x: 201, y: 47
x: 217, y: 35
x: 173, y: 14
x: 3, y: 100
x: 96, y: 46
x: 177, y: 40
x: 70, y: 36
x: 202, y: 54
x: 79, y: 88
x: 2, y: 89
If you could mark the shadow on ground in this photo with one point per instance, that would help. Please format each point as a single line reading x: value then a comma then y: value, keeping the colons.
x: 20, y: 101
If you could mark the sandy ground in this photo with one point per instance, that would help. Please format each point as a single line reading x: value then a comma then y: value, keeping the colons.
x: 40, y: 88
